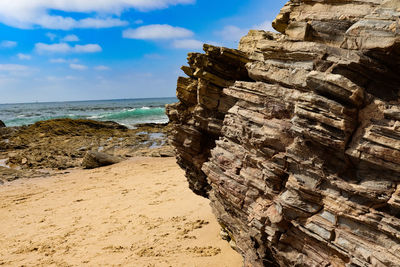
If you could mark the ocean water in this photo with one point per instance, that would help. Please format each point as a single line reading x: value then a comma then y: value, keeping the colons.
x: 125, y: 111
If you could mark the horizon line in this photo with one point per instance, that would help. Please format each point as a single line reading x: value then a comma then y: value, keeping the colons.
x: 88, y: 100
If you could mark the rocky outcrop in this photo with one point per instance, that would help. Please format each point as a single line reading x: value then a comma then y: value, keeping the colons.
x: 295, y: 137
x: 94, y: 159
x: 199, y: 115
x: 47, y: 147
x: 2, y: 124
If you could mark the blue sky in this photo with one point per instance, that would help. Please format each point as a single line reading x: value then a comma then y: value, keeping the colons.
x: 59, y: 50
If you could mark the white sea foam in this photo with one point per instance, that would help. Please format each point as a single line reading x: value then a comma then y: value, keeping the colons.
x: 127, y: 112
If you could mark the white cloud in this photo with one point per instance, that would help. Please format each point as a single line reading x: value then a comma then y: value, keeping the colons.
x: 63, y: 60
x: 187, y: 44
x: 157, y: 32
x: 24, y: 56
x: 234, y: 33
x: 89, y: 48
x: 8, y: 44
x: 58, y: 78
x: 62, y: 23
x: 31, y: 13
x: 101, y: 68
x: 52, y: 78
x: 78, y: 67
x: 266, y: 26
x: 58, y: 60
x: 100, y: 23
x: 231, y: 33
x: 51, y: 36
x: 71, y: 78
x: 52, y: 48
x: 13, y: 67
x: 42, y: 48
x: 139, y: 21
x: 71, y: 38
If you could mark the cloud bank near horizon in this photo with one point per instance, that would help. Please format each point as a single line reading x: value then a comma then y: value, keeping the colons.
x: 26, y: 14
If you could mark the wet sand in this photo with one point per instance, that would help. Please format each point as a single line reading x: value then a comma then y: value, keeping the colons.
x: 136, y: 213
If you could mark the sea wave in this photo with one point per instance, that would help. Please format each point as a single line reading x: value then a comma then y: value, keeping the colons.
x: 127, y: 112
x: 27, y: 120
x: 131, y: 113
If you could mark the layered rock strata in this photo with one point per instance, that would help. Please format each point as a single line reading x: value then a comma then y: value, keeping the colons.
x: 295, y: 137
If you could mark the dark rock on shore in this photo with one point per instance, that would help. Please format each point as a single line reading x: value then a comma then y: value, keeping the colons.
x: 71, y: 127
x: 295, y: 137
x: 2, y: 124
x: 95, y: 159
x: 49, y: 146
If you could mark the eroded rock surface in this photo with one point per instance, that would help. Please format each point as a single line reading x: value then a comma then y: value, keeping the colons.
x: 56, y: 145
x: 94, y: 159
x: 295, y: 137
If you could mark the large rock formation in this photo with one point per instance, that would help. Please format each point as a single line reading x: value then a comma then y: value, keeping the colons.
x: 295, y: 137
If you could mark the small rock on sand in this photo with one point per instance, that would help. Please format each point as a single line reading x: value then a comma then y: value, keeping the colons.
x: 95, y: 159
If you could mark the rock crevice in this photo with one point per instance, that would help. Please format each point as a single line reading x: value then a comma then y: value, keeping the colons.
x: 295, y: 137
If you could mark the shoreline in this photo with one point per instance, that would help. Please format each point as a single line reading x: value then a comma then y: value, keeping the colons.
x: 91, y: 100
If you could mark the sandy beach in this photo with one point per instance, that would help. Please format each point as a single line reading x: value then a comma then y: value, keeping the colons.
x: 136, y: 213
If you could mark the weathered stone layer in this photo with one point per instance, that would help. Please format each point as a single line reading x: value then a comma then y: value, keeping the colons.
x: 295, y: 137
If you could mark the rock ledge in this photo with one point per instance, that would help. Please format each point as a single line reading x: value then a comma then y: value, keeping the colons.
x: 295, y: 137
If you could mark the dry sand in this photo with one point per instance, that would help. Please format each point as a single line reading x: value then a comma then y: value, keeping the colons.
x: 136, y: 213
